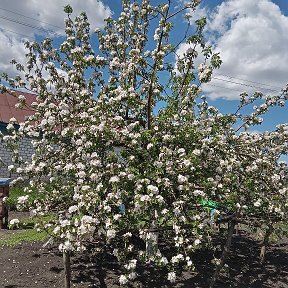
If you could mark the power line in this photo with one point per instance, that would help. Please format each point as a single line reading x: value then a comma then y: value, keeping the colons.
x: 52, y: 31
x: 230, y: 77
x: 26, y: 36
x: 222, y: 87
x: 243, y: 84
x: 28, y: 25
x: 28, y: 17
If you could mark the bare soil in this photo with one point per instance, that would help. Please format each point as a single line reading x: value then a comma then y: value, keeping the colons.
x: 29, y: 265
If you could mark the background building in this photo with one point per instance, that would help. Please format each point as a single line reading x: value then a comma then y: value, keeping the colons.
x: 8, y: 111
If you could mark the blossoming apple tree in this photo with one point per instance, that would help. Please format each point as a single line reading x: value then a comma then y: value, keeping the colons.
x: 108, y: 166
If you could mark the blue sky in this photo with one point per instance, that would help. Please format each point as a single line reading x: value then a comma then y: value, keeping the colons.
x: 251, y: 36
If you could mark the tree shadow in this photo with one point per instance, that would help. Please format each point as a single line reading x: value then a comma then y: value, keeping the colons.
x: 244, y: 268
x: 101, y: 270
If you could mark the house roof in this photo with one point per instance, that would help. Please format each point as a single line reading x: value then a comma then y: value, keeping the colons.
x: 8, y: 109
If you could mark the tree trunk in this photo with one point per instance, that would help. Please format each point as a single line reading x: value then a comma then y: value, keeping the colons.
x: 225, y: 253
x: 265, y: 243
x: 237, y: 229
x: 67, y: 269
x: 152, y: 243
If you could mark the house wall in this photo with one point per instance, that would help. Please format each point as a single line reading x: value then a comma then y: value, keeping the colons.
x: 25, y: 150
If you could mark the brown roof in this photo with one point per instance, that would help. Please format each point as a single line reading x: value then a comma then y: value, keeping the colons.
x: 8, y: 109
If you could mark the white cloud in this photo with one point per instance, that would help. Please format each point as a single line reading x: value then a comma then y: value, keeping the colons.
x: 45, y: 13
x: 49, y: 15
x: 252, y: 39
x: 11, y: 48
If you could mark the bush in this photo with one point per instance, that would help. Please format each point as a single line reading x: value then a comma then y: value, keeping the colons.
x: 15, y: 193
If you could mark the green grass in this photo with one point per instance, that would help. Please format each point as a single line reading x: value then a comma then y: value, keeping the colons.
x: 28, y: 235
x: 25, y: 232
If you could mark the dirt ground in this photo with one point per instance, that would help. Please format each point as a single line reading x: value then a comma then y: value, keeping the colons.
x: 29, y: 265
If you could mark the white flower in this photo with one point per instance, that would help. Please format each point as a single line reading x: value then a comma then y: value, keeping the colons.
x: 164, y: 211
x: 86, y: 219
x: 10, y: 126
x: 171, y: 277
x: 67, y: 246
x: 189, y: 263
x: 114, y: 179
x: 118, y: 216
x: 181, y: 150
x: 145, y: 198
x: 79, y: 142
x: 111, y: 233
x: 160, y: 198
x: 13, y: 120
x: 10, y: 167
x: 198, y: 192
x: 76, y: 50
x: 72, y: 209
x: 132, y: 275
x: 149, y: 146
x: 166, y: 137
x: 186, y: 163
x: 257, y: 203
x: 130, y: 176
x: 19, y: 170
x: 201, y: 67
x: 182, y: 179
x: 123, y: 280
x: 14, y: 221
x: 164, y: 8
x: 128, y: 234
x: 22, y: 199
x: 56, y: 230
x: 156, y: 35
x: 277, y: 210
x: 196, y: 152
x: 177, y: 258
x: 197, y: 242
x: 64, y: 223
x: 131, y: 265
x: 164, y: 260
x: 153, y: 189
x: 81, y: 174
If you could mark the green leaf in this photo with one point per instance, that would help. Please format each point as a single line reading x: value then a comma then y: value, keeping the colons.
x: 68, y: 9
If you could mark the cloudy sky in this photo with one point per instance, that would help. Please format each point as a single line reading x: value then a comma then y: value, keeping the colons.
x: 252, y: 39
x: 251, y: 36
x: 30, y: 19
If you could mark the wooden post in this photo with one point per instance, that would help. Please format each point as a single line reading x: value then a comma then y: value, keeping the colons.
x: 4, y: 192
x: 225, y: 253
x: 1, y: 210
x: 67, y: 269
